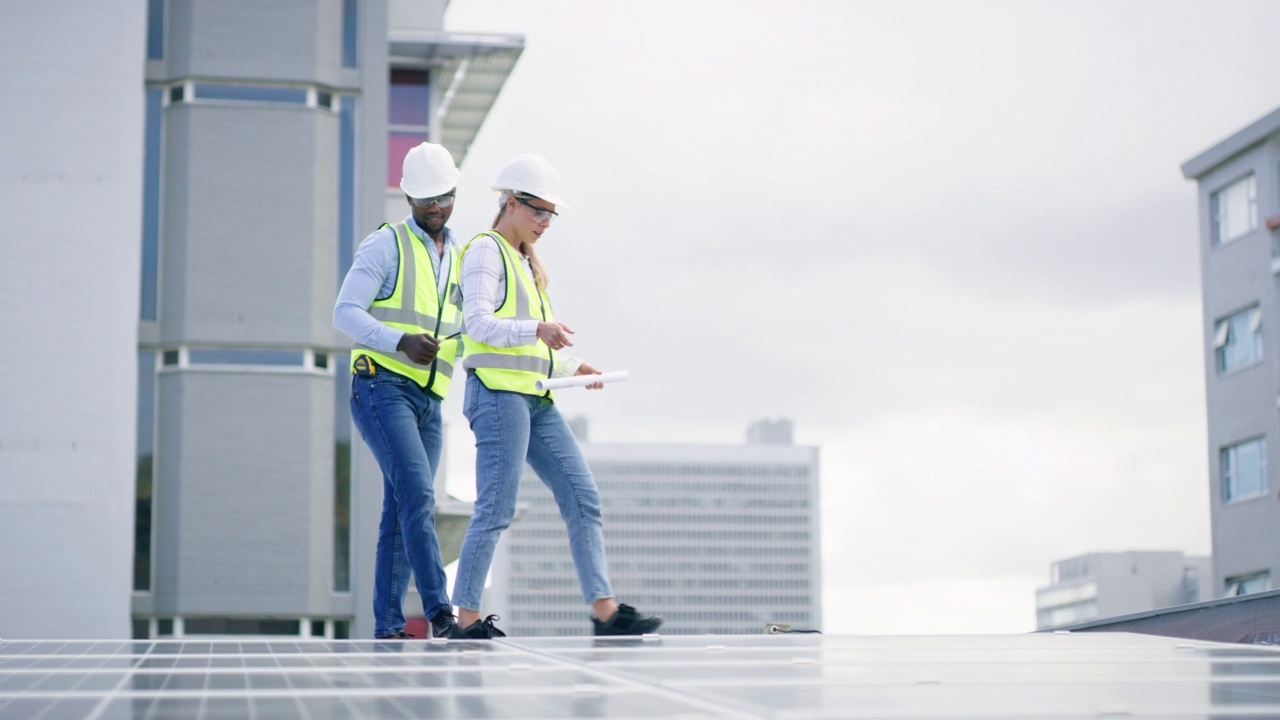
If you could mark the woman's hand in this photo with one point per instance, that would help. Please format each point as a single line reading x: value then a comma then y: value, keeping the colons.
x: 585, y: 369
x: 555, y: 335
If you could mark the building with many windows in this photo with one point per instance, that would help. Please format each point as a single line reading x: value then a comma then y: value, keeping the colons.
x: 1102, y: 585
x: 215, y: 162
x: 1239, y: 198
x: 715, y: 538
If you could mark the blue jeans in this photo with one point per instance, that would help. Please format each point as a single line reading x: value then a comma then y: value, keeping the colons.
x: 401, y: 423
x: 510, y: 429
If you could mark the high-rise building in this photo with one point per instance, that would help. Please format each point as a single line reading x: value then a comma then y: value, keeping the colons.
x: 1102, y: 585
x: 211, y: 164
x: 1239, y: 199
x: 715, y: 538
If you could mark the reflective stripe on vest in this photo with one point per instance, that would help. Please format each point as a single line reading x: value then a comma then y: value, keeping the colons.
x: 417, y: 309
x: 514, y: 369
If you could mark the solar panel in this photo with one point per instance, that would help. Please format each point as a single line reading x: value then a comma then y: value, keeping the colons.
x: 767, y: 676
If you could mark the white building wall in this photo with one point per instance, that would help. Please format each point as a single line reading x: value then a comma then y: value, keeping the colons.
x: 716, y: 539
x: 71, y: 181
x: 1101, y: 585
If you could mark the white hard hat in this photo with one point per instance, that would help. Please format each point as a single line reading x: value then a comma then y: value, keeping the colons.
x: 532, y: 175
x: 428, y: 171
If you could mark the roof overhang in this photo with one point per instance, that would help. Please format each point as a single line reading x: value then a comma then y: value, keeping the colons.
x: 469, y: 68
x: 1255, y: 133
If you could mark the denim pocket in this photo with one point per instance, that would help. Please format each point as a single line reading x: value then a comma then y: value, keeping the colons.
x: 468, y: 401
x: 388, y: 378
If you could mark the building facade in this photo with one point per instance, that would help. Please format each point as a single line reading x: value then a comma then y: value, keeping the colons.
x: 224, y: 157
x: 1102, y: 585
x: 715, y: 538
x: 1238, y: 184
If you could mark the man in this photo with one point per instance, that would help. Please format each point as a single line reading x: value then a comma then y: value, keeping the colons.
x: 399, y: 304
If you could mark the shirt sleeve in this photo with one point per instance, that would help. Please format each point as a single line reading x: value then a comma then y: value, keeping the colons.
x: 376, y: 261
x: 566, y: 365
x: 483, y: 276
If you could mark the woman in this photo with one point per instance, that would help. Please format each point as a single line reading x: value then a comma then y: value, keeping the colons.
x: 511, y: 342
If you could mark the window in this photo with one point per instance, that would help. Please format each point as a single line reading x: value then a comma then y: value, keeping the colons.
x: 346, y: 183
x: 1247, y: 584
x: 350, y: 31
x: 250, y: 93
x: 199, y: 356
x: 1244, y: 470
x: 151, y: 203
x: 246, y: 360
x: 143, y: 474
x: 1237, y: 340
x: 1233, y: 210
x: 155, y: 30
x: 342, y: 475
x: 408, y: 101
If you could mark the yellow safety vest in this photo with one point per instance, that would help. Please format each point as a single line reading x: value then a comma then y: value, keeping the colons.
x: 514, y: 369
x: 415, y: 306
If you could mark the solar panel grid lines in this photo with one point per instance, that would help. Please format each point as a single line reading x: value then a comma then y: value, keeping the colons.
x: 1025, y: 676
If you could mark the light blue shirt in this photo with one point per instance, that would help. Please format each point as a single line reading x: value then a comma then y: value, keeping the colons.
x: 373, y: 277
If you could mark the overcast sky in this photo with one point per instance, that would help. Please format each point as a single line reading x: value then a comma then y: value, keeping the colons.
x: 949, y: 240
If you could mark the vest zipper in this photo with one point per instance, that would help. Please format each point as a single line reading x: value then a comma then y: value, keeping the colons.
x: 435, y: 362
x: 551, y: 354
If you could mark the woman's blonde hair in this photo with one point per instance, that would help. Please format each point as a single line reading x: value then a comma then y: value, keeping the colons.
x: 539, y: 271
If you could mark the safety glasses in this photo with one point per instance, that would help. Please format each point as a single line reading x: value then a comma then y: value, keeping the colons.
x: 443, y: 201
x: 539, y: 214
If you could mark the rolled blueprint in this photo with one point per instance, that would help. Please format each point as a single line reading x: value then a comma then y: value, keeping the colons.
x: 582, y: 380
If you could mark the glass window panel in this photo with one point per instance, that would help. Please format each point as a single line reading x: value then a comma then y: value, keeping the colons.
x: 221, y: 356
x: 342, y: 475
x: 176, y: 93
x: 346, y: 183
x: 1242, y: 344
x: 1247, y: 584
x: 322, y: 361
x: 155, y: 30
x: 151, y: 203
x: 398, y: 145
x: 408, y: 98
x: 250, y: 93
x: 324, y: 100
x: 143, y: 475
x: 350, y: 31
x: 1244, y: 470
x: 170, y: 357
x: 1234, y: 210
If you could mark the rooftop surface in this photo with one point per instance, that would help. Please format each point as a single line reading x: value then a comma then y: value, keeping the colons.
x: 1089, y: 675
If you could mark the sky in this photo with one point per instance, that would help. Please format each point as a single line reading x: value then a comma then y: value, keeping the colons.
x: 949, y: 240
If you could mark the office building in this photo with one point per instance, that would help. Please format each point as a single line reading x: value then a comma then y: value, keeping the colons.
x: 1238, y: 183
x: 1102, y: 585
x: 189, y: 184
x: 715, y: 538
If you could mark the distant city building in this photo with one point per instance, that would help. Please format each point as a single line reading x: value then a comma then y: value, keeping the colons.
x: 1239, y: 200
x: 715, y: 538
x: 225, y: 157
x: 1101, y: 585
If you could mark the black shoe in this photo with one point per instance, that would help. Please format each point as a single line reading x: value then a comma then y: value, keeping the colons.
x: 478, y: 630
x: 443, y: 624
x: 627, y: 621
x: 402, y: 635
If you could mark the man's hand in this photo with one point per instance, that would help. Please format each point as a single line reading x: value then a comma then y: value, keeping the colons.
x: 420, y: 348
x: 555, y: 335
x: 585, y: 369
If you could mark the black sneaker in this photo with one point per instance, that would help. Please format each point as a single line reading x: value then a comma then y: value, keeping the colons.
x: 443, y: 624
x: 478, y: 630
x: 627, y: 621
x: 402, y: 635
